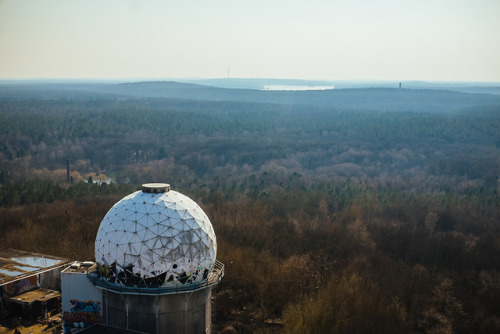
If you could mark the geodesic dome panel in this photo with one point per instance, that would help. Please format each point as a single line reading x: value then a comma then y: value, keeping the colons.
x: 164, y: 238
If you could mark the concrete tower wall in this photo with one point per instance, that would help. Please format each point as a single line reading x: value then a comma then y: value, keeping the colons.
x: 81, y: 300
x: 188, y: 312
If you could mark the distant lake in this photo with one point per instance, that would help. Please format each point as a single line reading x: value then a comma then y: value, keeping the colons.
x: 293, y: 87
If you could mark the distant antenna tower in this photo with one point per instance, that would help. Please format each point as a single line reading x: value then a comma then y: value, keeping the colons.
x: 228, y: 72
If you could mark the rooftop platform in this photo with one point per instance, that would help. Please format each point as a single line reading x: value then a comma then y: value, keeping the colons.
x: 79, y: 267
x: 39, y: 295
x: 214, y: 278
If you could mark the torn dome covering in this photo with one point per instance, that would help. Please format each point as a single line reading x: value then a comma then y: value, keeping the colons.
x: 156, y: 239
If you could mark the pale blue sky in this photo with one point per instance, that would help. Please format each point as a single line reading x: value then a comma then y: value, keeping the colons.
x: 439, y: 40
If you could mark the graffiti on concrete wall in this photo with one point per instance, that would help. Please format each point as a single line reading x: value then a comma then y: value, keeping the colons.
x: 83, y: 311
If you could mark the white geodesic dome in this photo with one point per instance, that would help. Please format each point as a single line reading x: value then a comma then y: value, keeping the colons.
x: 156, y: 234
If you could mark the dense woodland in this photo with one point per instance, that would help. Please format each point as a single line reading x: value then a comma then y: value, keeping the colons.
x: 379, y: 215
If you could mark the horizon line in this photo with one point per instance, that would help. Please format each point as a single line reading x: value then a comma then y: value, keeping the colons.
x: 153, y: 79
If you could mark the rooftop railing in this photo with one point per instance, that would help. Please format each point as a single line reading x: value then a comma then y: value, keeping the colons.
x: 213, y: 278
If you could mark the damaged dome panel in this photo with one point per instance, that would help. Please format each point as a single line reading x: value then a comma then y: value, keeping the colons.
x: 156, y: 237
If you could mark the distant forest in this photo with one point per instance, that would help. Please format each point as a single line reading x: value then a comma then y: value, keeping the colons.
x: 428, y: 138
x: 344, y: 211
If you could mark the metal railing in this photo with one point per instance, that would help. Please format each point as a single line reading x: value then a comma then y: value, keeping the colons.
x: 213, y: 278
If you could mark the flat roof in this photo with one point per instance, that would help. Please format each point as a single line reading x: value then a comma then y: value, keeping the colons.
x: 17, y: 264
x: 35, y: 295
x: 81, y: 267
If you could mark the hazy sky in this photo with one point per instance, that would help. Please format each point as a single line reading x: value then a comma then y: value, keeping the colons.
x: 444, y: 40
